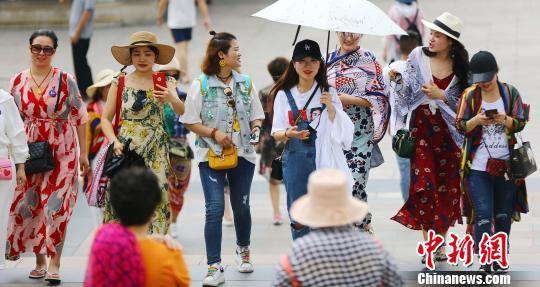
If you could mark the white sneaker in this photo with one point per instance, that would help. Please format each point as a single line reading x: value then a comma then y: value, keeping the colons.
x: 215, y: 275
x: 173, y: 231
x: 243, y: 260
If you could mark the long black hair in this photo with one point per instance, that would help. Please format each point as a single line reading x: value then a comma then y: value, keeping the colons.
x: 460, y: 59
x: 291, y: 78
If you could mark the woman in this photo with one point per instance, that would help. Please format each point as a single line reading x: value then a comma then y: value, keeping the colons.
x: 268, y: 147
x: 489, y: 114
x: 123, y: 254
x: 223, y: 109
x: 434, y: 79
x: 142, y: 114
x: 297, y: 97
x: 53, y: 111
x: 180, y: 153
x: 357, y: 77
x: 12, y: 136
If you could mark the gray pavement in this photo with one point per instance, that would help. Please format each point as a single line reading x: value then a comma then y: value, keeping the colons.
x: 508, y: 29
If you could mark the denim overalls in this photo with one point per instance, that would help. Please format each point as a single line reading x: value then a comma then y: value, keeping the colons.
x: 298, y: 164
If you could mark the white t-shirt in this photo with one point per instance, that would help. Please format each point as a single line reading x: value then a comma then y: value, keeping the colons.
x: 181, y: 14
x: 192, y: 115
x: 494, y: 137
x: 283, y: 118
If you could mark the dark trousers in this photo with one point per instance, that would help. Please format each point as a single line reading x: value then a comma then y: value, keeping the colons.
x: 83, y: 73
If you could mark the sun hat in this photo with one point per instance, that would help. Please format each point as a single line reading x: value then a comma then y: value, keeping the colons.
x: 447, y: 24
x: 104, y: 78
x: 141, y: 39
x: 306, y: 48
x: 483, y: 67
x: 328, y: 201
x: 171, y: 66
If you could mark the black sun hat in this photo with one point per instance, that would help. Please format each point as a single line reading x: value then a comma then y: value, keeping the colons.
x: 306, y: 48
x: 483, y: 67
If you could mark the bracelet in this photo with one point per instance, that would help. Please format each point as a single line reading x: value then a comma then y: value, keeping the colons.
x: 213, y: 133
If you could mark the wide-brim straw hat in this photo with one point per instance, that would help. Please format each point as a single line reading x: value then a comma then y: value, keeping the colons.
x: 171, y: 66
x: 141, y: 39
x: 104, y: 78
x: 448, y: 24
x: 328, y: 201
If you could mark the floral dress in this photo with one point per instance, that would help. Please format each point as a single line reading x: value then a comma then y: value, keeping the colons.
x: 148, y: 139
x: 359, y: 74
x: 40, y: 212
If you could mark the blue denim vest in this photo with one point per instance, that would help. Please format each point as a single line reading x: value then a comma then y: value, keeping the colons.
x: 215, y: 112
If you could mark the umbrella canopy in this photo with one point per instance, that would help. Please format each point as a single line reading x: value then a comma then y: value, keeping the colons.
x: 356, y: 16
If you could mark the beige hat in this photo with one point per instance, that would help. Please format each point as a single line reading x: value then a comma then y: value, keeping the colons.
x: 104, y: 78
x: 139, y: 39
x: 328, y: 201
x: 447, y: 24
x: 172, y: 66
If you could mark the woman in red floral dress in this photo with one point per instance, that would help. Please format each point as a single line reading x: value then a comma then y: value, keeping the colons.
x: 40, y: 212
x: 434, y: 79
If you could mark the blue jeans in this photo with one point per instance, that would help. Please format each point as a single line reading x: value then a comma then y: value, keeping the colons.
x: 493, y: 202
x: 404, y: 165
x: 298, y: 164
x: 213, y: 183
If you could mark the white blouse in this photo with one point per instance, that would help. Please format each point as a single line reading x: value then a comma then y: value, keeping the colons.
x: 12, y: 133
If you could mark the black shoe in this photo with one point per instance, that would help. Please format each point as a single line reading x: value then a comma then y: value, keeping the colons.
x: 498, y: 268
x: 485, y: 269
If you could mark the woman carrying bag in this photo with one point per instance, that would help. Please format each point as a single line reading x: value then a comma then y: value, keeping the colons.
x: 141, y: 111
x: 223, y: 109
x: 490, y: 113
x: 55, y: 118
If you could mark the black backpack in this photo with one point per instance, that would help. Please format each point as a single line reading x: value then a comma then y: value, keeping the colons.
x: 412, y: 27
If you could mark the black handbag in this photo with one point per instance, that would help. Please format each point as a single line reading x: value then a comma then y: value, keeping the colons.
x: 114, y: 163
x: 41, y: 158
x: 522, y: 163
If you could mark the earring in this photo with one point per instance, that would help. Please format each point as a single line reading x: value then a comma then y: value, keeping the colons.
x: 222, y: 63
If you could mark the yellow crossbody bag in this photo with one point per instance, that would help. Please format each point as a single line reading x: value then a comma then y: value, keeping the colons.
x: 228, y: 159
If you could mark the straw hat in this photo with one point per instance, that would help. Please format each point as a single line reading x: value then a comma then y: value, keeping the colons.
x: 140, y: 39
x: 328, y: 201
x: 171, y: 66
x: 104, y: 78
x: 447, y: 24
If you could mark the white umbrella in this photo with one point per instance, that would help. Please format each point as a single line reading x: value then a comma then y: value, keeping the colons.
x: 356, y: 16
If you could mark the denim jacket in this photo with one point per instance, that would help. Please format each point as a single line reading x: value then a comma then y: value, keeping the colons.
x: 215, y: 112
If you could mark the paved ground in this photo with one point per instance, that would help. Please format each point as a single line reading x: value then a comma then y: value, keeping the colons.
x: 506, y: 30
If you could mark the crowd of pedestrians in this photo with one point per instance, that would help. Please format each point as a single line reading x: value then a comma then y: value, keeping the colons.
x: 316, y: 127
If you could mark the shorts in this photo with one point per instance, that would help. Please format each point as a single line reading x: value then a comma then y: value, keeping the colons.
x: 180, y: 35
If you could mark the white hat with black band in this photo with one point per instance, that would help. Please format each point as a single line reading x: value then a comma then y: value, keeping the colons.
x: 447, y: 24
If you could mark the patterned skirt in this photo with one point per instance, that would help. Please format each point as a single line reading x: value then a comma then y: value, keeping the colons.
x: 434, y: 193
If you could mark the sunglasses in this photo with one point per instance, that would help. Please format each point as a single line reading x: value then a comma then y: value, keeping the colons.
x: 346, y: 35
x: 37, y: 49
x: 174, y: 75
x: 140, y: 101
x: 397, y: 83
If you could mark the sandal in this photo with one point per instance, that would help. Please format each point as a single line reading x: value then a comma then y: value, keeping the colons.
x: 53, y: 279
x: 37, y: 273
x: 440, y: 255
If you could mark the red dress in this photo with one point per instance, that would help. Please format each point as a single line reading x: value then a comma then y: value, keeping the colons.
x: 40, y: 212
x: 434, y: 193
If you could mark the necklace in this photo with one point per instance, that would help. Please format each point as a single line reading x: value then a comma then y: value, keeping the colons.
x: 224, y: 79
x: 39, y: 89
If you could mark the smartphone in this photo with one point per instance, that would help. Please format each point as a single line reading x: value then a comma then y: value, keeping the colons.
x: 159, y: 78
x: 491, y: 113
x: 255, y: 137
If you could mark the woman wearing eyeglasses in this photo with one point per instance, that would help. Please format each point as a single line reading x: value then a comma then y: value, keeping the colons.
x: 223, y: 109
x: 357, y: 77
x: 53, y: 111
x: 141, y: 112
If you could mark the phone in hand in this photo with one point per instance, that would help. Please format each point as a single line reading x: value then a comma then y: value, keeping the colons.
x: 159, y: 78
x: 491, y: 113
x: 255, y: 136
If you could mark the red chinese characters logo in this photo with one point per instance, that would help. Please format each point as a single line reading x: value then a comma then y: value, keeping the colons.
x: 460, y: 250
x: 494, y: 249
x: 428, y: 248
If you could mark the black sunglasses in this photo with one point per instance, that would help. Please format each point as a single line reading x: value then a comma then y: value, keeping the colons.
x: 37, y: 49
x: 140, y: 101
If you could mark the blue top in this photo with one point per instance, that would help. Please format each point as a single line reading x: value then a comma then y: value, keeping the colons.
x: 77, y: 9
